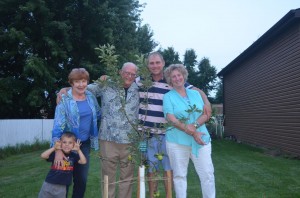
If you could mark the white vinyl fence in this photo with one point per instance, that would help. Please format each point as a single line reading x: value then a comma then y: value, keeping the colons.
x: 24, y: 131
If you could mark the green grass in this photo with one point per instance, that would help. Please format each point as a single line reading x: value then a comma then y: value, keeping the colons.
x: 240, y: 171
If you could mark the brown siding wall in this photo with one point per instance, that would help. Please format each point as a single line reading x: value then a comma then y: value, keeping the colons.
x: 262, y: 95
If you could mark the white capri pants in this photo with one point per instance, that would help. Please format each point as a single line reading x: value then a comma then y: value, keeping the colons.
x: 179, y: 159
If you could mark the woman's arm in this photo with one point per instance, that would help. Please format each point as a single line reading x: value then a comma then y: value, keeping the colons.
x: 179, y: 125
x: 189, y: 129
x: 201, y: 120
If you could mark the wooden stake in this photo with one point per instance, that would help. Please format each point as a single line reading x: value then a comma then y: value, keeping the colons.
x: 169, y: 184
x: 105, y: 190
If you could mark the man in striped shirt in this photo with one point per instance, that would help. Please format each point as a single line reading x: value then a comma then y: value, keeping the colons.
x: 151, y: 117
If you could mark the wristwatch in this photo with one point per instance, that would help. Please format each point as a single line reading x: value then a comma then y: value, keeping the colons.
x: 196, y: 125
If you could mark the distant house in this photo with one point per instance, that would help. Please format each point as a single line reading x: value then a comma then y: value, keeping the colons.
x: 262, y: 89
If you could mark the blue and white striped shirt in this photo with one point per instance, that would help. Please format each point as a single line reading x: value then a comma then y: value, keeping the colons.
x: 151, y: 114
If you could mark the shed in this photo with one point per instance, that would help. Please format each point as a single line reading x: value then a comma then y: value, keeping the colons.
x: 262, y: 89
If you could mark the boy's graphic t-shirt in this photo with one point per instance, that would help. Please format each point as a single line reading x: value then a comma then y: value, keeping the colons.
x: 62, y: 175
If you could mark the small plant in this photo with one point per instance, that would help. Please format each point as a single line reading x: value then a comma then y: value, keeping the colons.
x: 156, y: 194
x: 159, y: 156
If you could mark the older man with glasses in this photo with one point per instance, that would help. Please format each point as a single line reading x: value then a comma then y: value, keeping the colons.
x: 115, y: 127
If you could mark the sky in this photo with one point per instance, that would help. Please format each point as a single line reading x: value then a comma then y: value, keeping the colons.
x: 216, y: 29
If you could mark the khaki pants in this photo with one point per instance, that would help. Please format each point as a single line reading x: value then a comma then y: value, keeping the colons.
x: 115, y: 155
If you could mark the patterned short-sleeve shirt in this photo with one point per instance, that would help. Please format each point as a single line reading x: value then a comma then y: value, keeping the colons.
x: 115, y: 125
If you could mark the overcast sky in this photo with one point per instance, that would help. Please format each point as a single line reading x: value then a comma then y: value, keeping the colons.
x: 217, y: 29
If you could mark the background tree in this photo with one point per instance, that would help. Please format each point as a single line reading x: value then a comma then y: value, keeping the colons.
x: 145, y: 42
x: 41, y: 41
x: 190, y: 61
x: 219, y: 93
x: 206, y: 76
x: 170, y: 56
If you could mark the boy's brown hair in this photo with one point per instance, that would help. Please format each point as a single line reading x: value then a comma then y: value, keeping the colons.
x: 68, y: 135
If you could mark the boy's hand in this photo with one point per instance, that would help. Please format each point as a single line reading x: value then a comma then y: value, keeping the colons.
x: 77, y: 145
x: 57, y: 145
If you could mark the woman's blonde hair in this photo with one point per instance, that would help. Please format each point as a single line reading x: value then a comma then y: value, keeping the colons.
x: 171, y: 68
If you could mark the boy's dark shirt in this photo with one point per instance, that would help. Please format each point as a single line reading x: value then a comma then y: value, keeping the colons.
x: 62, y: 175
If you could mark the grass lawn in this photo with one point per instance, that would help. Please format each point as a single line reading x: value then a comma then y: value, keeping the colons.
x: 240, y: 171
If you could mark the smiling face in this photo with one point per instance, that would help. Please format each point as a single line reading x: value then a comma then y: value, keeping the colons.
x: 156, y: 65
x: 79, y: 87
x: 128, y: 74
x: 78, y: 79
x: 67, y: 144
x: 177, y: 79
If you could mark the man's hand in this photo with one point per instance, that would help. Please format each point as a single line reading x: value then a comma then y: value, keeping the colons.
x: 60, y: 93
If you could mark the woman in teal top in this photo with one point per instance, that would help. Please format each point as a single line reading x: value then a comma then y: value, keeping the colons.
x: 188, y: 136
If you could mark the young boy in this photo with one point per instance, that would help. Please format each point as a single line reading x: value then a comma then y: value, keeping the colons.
x: 59, y: 178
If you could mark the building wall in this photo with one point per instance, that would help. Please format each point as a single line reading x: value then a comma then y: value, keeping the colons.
x: 262, y: 95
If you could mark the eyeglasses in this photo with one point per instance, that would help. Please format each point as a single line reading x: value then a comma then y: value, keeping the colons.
x: 129, y: 74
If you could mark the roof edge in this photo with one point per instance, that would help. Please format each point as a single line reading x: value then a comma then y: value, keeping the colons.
x: 287, y: 20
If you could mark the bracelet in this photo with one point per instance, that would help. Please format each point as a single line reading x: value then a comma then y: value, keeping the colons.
x: 196, y: 125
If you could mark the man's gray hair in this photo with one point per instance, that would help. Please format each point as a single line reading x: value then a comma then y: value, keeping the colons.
x: 129, y: 64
